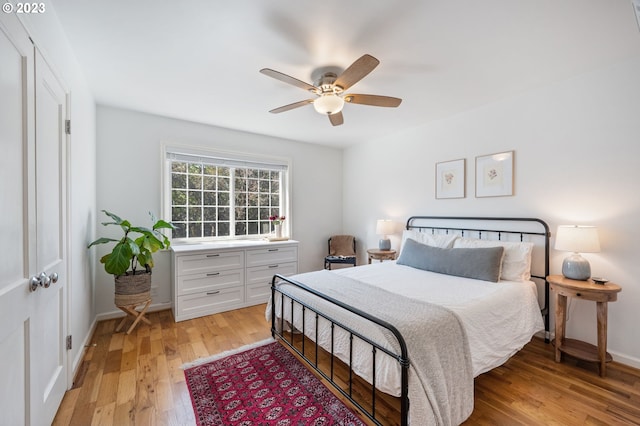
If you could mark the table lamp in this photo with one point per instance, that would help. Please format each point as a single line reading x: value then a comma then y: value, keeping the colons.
x: 384, y: 228
x: 577, y: 239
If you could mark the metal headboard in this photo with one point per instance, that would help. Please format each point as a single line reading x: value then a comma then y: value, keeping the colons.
x: 501, y: 229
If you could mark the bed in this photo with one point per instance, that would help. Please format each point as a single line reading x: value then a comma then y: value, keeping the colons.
x: 422, y: 327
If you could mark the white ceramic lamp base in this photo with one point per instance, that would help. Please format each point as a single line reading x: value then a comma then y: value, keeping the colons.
x: 576, y: 267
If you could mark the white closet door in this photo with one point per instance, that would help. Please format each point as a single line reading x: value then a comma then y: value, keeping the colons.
x: 49, y: 302
x: 33, y: 230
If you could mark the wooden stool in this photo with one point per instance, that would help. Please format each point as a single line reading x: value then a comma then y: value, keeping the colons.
x: 137, y: 315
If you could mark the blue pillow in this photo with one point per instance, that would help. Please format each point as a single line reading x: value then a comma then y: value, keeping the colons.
x: 477, y: 263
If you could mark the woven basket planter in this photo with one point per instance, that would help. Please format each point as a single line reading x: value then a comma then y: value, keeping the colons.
x: 133, y: 289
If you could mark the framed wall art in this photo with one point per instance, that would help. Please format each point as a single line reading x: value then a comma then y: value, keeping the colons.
x: 450, y: 179
x: 494, y: 175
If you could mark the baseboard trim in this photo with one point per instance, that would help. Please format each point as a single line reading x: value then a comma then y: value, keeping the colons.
x: 625, y: 359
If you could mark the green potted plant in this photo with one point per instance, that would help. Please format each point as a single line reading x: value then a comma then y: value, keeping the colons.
x: 130, y: 260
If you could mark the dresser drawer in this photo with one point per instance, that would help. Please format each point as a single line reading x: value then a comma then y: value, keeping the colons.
x: 259, y: 280
x: 200, y: 304
x: 209, y: 261
x: 198, y: 283
x: 272, y: 256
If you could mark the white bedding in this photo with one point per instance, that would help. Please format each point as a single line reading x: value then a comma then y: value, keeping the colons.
x: 499, y: 318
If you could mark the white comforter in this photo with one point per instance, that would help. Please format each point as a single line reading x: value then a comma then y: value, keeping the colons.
x: 499, y: 318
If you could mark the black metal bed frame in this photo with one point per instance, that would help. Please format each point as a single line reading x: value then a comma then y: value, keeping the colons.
x: 402, y: 356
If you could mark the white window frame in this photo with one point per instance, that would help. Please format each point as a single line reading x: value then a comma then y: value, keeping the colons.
x: 231, y: 159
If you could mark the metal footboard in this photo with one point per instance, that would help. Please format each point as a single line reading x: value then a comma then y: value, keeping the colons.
x: 401, y: 358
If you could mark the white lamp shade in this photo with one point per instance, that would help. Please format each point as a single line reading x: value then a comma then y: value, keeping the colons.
x: 328, y: 104
x: 385, y: 227
x: 578, y: 239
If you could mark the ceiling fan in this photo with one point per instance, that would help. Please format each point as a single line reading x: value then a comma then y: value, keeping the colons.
x: 330, y: 87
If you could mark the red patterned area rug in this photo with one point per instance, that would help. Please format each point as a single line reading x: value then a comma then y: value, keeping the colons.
x: 263, y: 385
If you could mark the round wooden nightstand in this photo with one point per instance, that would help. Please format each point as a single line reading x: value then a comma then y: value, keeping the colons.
x: 377, y: 254
x: 587, y: 290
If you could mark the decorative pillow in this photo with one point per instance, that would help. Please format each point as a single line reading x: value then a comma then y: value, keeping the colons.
x: 342, y: 245
x: 433, y: 240
x: 477, y: 263
x: 516, y: 265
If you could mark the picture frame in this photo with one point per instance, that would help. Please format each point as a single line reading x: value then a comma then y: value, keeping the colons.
x: 494, y: 174
x: 451, y: 179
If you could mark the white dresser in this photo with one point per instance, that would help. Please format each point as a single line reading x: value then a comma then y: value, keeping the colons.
x: 214, y: 277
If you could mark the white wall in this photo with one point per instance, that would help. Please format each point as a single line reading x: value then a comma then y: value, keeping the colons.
x: 129, y: 176
x: 577, y: 161
x: 49, y: 37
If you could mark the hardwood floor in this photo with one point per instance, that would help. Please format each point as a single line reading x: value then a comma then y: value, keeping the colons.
x: 137, y: 380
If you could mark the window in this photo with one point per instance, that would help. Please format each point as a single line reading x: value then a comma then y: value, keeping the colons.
x: 211, y: 196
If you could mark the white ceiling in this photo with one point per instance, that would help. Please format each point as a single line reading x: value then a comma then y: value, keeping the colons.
x: 199, y: 60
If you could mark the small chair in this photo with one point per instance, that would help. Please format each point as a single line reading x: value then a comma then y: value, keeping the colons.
x: 342, y: 249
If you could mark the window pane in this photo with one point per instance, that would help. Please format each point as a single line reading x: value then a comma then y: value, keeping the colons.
x: 179, y: 214
x: 179, y: 167
x: 253, y: 214
x: 179, y: 198
x: 241, y: 228
x: 195, y: 168
x: 223, y: 214
x: 223, y: 184
x: 209, y: 229
x: 178, y: 180
x: 195, y: 214
x: 180, y: 230
x: 195, y: 198
x: 223, y: 229
x: 223, y: 198
x: 241, y: 184
x: 209, y: 214
x: 209, y: 183
x: 195, y: 182
x: 209, y: 198
x: 195, y: 230
x: 252, y: 228
x: 241, y: 213
x: 209, y: 170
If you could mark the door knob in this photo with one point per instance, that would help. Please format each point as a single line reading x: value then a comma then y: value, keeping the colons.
x: 45, y: 281
x: 34, y: 283
x: 54, y: 277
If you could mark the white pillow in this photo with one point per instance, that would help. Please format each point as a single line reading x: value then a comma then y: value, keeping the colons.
x: 516, y: 263
x: 427, y: 238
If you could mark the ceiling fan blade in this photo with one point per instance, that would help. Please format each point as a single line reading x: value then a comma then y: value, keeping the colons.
x: 356, y: 71
x: 288, y: 79
x: 336, y: 119
x: 374, y: 100
x: 291, y: 106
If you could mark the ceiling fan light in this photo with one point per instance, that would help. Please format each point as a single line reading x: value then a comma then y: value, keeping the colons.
x: 328, y: 103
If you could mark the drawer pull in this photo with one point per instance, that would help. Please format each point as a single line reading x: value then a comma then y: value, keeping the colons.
x: 211, y: 293
x: 273, y: 249
x: 578, y: 294
x: 213, y: 274
x: 273, y: 266
x: 213, y: 255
